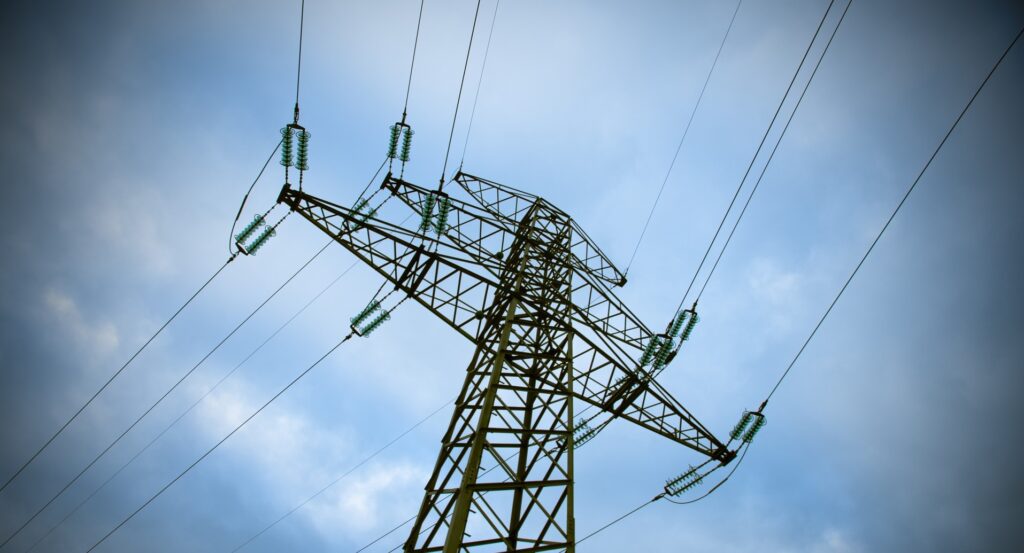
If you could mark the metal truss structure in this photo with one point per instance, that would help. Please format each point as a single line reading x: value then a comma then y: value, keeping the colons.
x: 521, y: 280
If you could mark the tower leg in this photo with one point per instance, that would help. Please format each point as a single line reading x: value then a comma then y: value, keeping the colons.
x: 503, y: 478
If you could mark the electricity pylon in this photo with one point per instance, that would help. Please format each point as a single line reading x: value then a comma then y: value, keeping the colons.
x: 521, y: 280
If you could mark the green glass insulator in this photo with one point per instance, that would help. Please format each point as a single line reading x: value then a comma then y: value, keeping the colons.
x: 741, y: 425
x: 754, y: 429
x: 249, y: 229
x: 286, y: 146
x: 648, y: 354
x: 362, y: 203
x: 443, y: 208
x: 406, y: 144
x: 692, y: 322
x: 302, y: 157
x: 396, y: 130
x: 362, y: 315
x: 663, y: 352
x: 375, y: 323
x: 677, y: 324
x: 263, y: 237
x: 427, y: 213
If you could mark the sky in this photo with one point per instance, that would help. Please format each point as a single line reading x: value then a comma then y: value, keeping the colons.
x: 131, y: 130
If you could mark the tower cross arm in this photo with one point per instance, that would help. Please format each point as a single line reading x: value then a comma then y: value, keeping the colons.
x: 456, y: 272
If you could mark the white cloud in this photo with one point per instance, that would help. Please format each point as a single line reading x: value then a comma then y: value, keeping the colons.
x: 365, y: 501
x: 93, y: 338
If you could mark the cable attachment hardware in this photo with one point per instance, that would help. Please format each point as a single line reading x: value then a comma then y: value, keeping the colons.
x: 684, y: 482
x: 748, y: 426
x: 362, y: 316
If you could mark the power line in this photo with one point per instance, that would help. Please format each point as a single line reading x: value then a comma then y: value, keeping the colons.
x: 223, y: 378
x: 686, y: 131
x: 298, y: 67
x: 895, y: 211
x: 843, y: 289
x: 193, y: 405
x: 616, y: 521
x: 772, y: 155
x: 115, y: 375
x: 458, y: 100
x: 163, y: 397
x: 412, y: 64
x: 754, y: 158
x: 215, y: 446
x: 845, y: 285
x: 386, y: 534
x: 479, y: 83
x: 340, y: 478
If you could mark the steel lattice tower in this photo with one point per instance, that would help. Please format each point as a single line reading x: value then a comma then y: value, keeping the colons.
x: 521, y: 280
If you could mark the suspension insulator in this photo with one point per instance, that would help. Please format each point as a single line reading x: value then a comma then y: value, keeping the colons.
x: 677, y: 323
x: 661, y: 357
x: 742, y: 425
x: 256, y: 223
x: 286, y: 146
x: 427, y: 213
x: 367, y: 215
x: 652, y: 348
x: 759, y: 423
x: 582, y: 434
x: 261, y: 239
x: 366, y: 312
x: 690, y: 323
x: 443, y: 208
x: 375, y: 323
x: 361, y: 204
x: 406, y: 144
x: 396, y: 130
x: 302, y: 157
x: 683, y: 482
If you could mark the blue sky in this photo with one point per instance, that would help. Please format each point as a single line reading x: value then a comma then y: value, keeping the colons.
x: 131, y: 130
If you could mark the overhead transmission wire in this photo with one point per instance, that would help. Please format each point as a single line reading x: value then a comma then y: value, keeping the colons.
x: 756, y: 153
x: 686, y: 131
x: 408, y: 90
x: 226, y: 376
x: 355, y: 467
x: 160, y: 400
x: 298, y: 65
x: 114, y: 376
x: 458, y: 100
x: 214, y: 387
x: 771, y: 156
x: 196, y: 403
x: 895, y: 211
x: 846, y: 284
x: 479, y: 84
x: 412, y: 64
x: 219, y: 443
